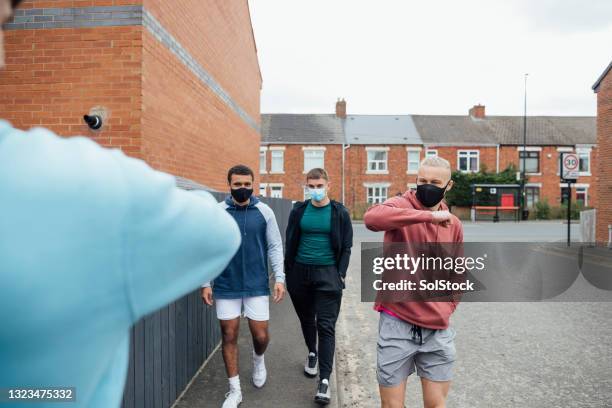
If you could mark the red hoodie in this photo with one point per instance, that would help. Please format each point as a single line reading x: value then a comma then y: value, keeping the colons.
x: 405, y: 219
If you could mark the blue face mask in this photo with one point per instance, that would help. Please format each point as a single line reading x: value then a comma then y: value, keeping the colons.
x: 317, y: 194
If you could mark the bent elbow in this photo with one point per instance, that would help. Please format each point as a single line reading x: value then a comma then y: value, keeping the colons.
x: 370, y: 220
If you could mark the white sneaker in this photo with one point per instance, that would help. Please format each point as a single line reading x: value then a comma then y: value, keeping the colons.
x: 232, y: 399
x: 259, y: 372
x: 323, y: 396
x: 311, y: 366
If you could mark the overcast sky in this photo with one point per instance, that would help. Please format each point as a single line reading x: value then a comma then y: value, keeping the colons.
x: 432, y: 57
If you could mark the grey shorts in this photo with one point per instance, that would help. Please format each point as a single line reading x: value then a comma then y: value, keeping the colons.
x: 398, y: 354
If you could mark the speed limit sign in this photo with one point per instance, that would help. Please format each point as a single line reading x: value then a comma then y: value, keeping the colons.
x: 569, y: 166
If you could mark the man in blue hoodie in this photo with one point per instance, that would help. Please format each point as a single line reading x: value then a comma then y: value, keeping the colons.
x: 90, y: 242
x: 245, y: 282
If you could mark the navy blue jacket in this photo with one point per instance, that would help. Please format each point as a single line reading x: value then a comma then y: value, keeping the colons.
x: 247, y: 273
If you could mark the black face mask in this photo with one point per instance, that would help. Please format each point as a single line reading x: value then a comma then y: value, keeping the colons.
x: 241, y: 194
x: 429, y: 195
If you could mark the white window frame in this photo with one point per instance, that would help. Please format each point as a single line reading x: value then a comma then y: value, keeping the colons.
x: 413, y: 150
x: 431, y: 153
x: 539, y: 151
x: 537, y: 186
x: 385, y: 162
x: 265, y: 189
x: 468, y: 157
x: 275, y: 187
x: 379, y: 198
x: 277, y: 150
x: 586, y: 194
x: 264, y: 163
x: 411, y: 186
x: 318, y: 149
x: 580, y: 151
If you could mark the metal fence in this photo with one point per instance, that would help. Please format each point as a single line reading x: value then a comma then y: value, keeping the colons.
x: 168, y: 347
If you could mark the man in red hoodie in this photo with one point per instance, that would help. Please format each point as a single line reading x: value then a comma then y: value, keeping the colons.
x: 415, y: 335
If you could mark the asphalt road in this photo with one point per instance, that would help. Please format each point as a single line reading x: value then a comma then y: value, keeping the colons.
x: 544, y: 354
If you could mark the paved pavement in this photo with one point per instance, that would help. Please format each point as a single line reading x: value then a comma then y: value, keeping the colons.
x: 548, y: 354
x: 287, y: 387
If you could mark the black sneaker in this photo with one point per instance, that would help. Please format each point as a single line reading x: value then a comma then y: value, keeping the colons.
x: 323, y: 394
x: 310, y: 368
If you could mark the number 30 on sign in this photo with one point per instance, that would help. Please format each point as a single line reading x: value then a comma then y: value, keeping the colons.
x: 569, y: 166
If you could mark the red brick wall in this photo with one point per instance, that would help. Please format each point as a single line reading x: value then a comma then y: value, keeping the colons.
x: 53, y: 77
x: 549, y: 177
x: 604, y: 169
x: 293, y: 177
x: 158, y: 109
x: 487, y: 155
x: 188, y: 130
x: 219, y: 36
x: 356, y: 176
x: 356, y: 167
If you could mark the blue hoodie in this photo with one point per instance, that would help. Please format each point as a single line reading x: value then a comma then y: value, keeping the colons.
x: 90, y: 242
x: 247, y: 273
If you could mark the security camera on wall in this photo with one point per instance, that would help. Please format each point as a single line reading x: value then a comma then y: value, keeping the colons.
x: 96, y: 118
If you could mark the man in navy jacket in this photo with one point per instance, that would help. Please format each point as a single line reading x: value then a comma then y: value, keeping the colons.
x: 244, y: 283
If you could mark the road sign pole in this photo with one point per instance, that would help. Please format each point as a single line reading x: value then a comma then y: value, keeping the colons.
x: 570, y: 171
x: 569, y: 210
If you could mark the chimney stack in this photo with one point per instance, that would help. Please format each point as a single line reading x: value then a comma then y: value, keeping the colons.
x: 477, y: 111
x: 341, y: 108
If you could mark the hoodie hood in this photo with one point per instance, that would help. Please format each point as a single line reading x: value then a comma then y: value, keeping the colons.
x: 230, y: 202
x: 410, y: 195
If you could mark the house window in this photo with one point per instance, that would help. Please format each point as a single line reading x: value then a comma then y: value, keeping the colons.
x: 377, y: 161
x: 262, y: 190
x: 468, y: 160
x: 431, y: 153
x: 532, y: 195
x: 414, y: 157
x: 585, y: 162
x: 313, y: 159
x: 377, y: 194
x: 532, y: 161
x: 582, y: 198
x: 262, y: 160
x: 276, y: 191
x: 277, y: 165
x: 564, y: 195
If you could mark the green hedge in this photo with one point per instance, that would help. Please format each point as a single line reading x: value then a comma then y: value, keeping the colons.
x: 543, y: 211
x: 461, y: 193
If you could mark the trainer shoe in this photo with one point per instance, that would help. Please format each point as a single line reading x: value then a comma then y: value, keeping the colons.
x: 323, y: 394
x: 259, y: 371
x: 310, y: 368
x: 232, y: 399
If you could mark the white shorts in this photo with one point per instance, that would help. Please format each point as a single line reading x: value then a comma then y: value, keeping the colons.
x: 255, y: 308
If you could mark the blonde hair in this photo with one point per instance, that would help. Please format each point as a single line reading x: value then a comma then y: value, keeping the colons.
x: 435, y: 161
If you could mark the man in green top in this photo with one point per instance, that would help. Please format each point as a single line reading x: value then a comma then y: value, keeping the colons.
x: 319, y: 240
